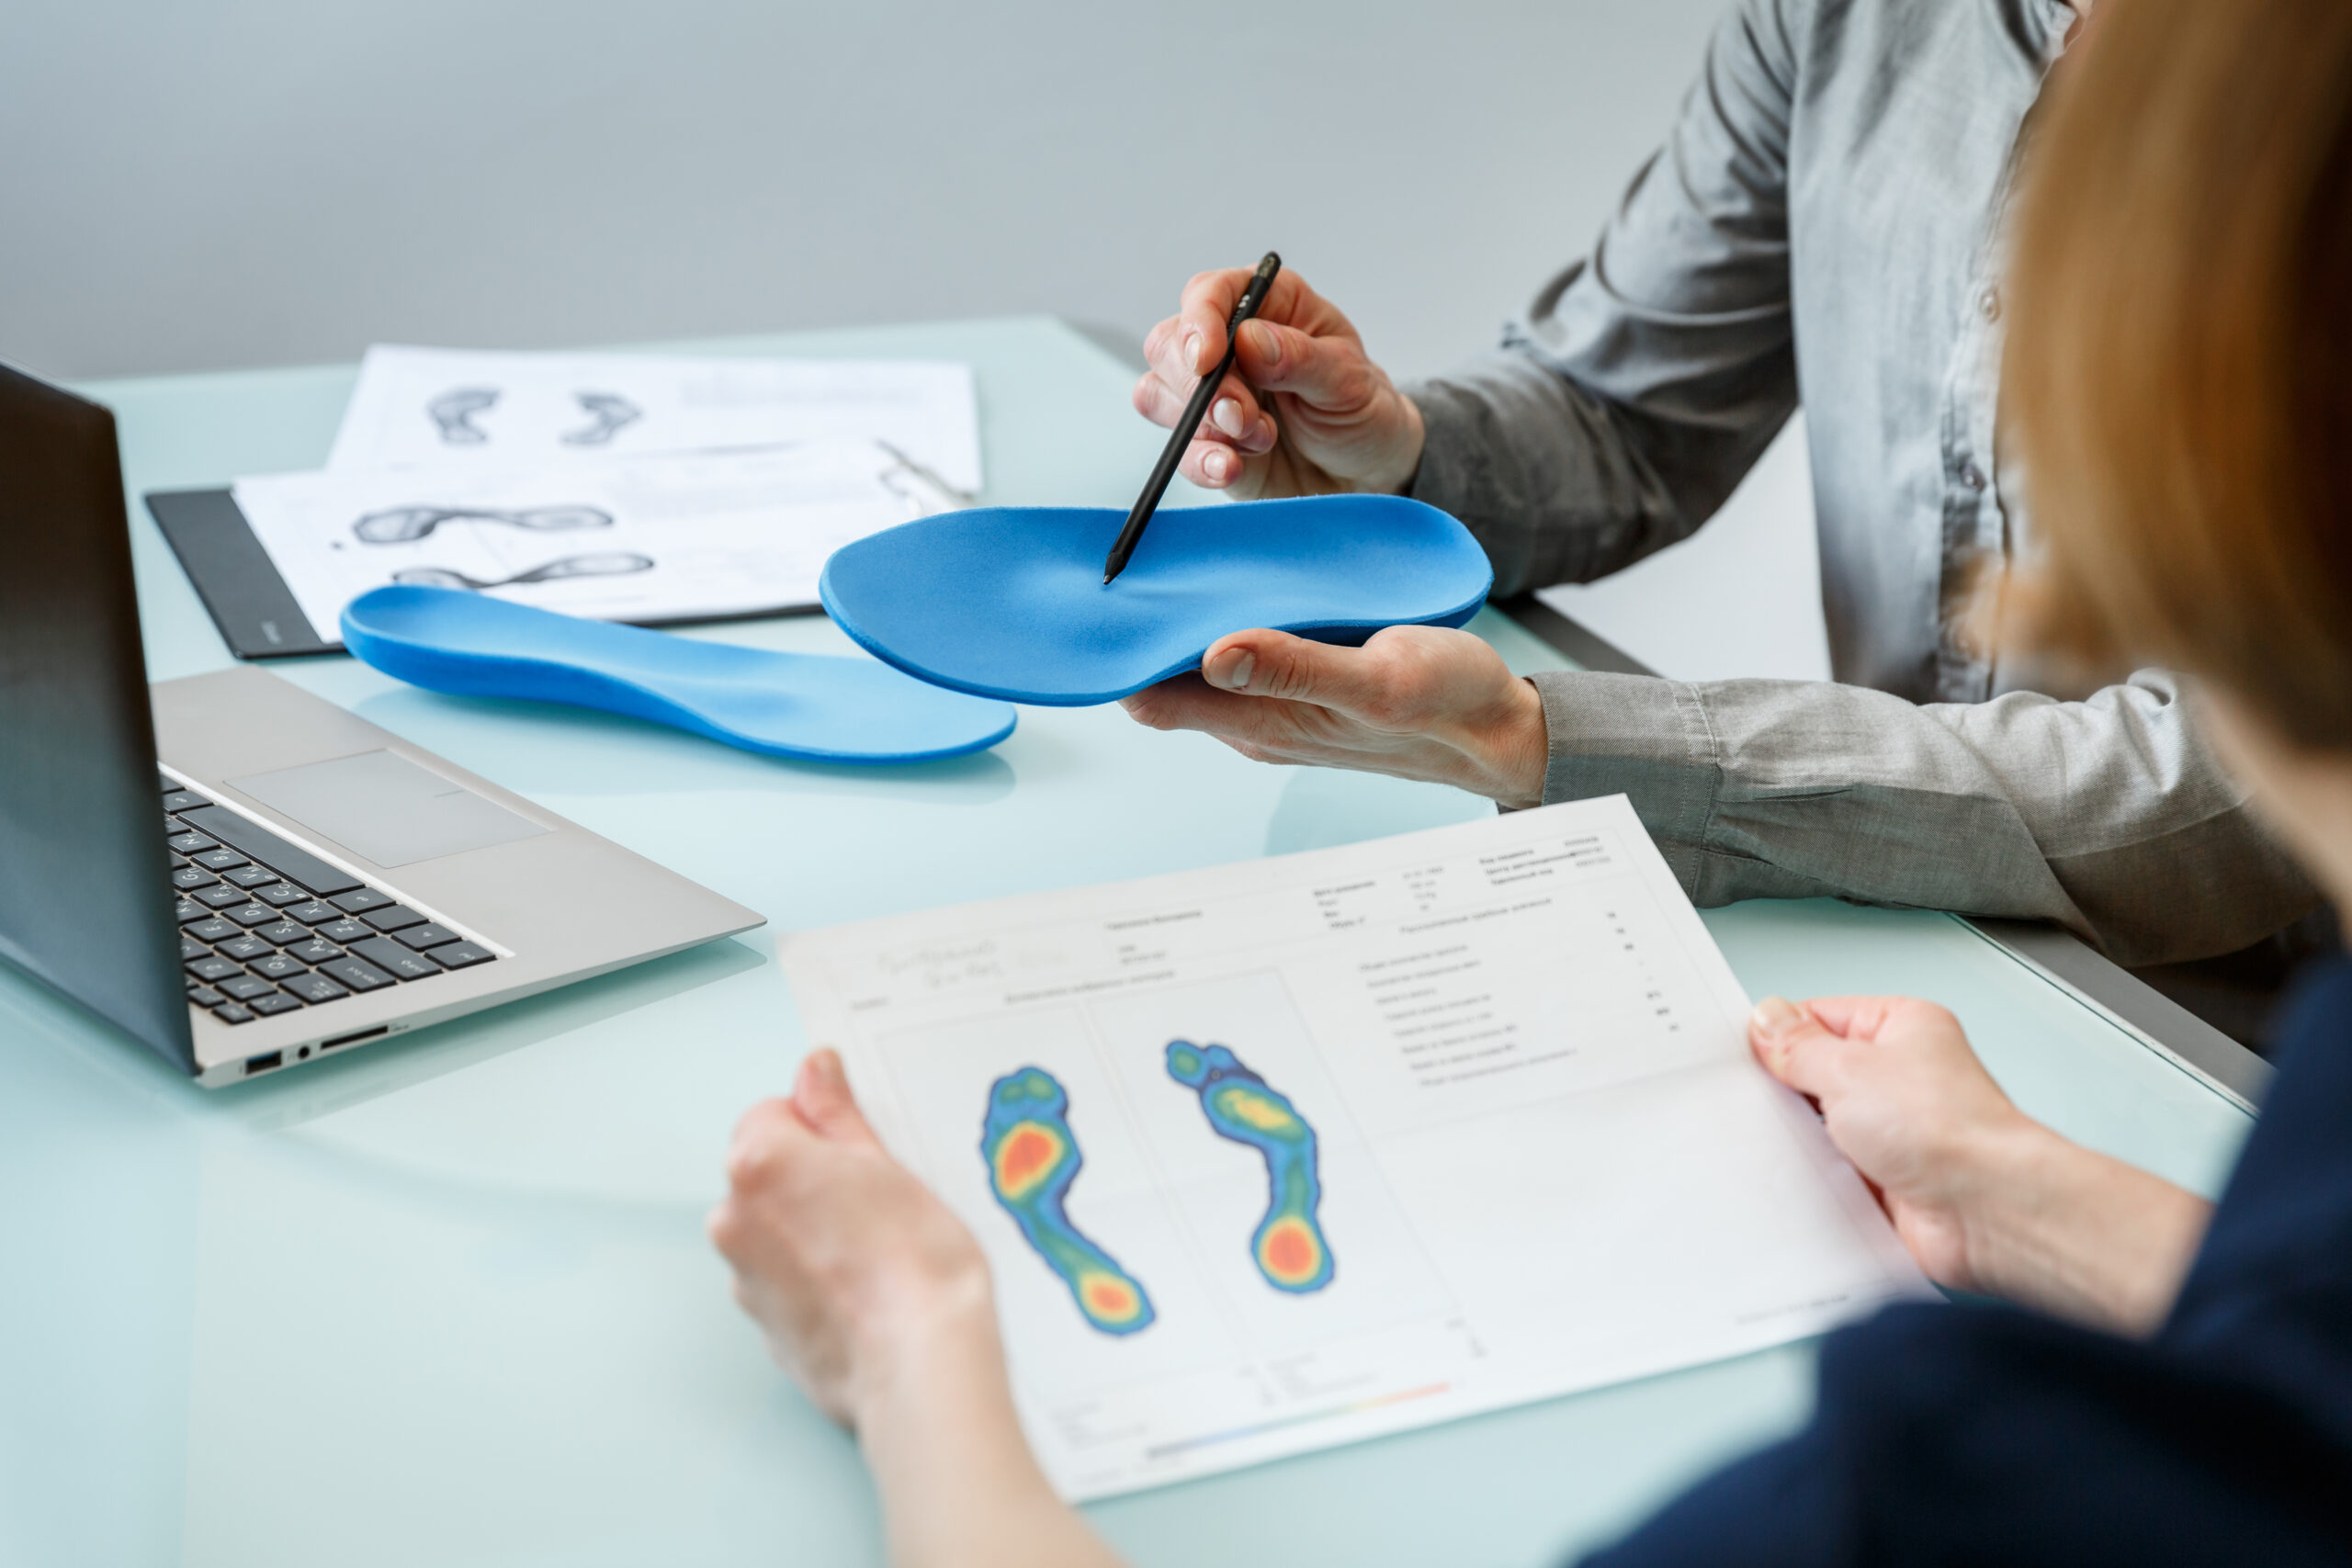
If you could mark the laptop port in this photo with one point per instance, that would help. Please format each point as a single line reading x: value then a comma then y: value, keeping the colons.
x: 262, y: 1063
x: 325, y: 1045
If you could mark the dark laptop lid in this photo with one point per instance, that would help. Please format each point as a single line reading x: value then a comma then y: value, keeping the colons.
x: 84, y: 872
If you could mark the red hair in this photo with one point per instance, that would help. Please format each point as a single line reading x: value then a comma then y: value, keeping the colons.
x: 2177, y: 381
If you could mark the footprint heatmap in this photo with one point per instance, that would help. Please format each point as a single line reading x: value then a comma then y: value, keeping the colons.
x: 1288, y: 1246
x: 1032, y: 1159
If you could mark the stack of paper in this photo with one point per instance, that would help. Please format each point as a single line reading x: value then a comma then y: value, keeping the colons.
x: 620, y: 487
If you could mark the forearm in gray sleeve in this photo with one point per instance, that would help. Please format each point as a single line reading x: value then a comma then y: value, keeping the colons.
x: 1544, y: 475
x: 1641, y: 383
x: 2107, y: 815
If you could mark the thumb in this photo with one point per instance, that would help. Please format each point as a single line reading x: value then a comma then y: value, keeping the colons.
x: 821, y: 1097
x: 1329, y: 373
x: 1276, y: 664
x: 1796, y: 1047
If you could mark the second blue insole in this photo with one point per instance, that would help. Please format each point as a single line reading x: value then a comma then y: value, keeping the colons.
x: 809, y: 706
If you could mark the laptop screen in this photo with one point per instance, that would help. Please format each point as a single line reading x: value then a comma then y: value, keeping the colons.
x: 84, y: 870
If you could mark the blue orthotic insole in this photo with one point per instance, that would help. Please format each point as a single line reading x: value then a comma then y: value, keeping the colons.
x: 1010, y: 601
x: 788, y: 704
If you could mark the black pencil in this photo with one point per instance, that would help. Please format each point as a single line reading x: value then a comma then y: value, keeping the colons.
x: 1252, y: 296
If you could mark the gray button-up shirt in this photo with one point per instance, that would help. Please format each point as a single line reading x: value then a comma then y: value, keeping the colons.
x: 1826, y: 223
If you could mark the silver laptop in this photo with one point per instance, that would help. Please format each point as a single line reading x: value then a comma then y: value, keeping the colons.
x: 242, y: 876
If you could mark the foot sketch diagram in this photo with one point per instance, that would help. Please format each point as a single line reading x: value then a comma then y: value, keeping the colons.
x: 1033, y: 1158
x: 611, y: 564
x: 453, y: 413
x: 1288, y: 1248
x: 405, y: 525
x: 611, y: 413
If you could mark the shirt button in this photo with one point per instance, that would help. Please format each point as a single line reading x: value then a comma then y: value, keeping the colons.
x: 1989, y: 304
x: 1971, y: 476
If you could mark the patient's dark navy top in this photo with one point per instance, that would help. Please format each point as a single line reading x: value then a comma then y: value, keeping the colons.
x: 1986, y: 1435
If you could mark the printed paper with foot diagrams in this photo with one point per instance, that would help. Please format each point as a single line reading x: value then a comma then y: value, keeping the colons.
x: 1284, y: 1155
x: 462, y: 410
x: 645, y: 488
x: 689, y: 536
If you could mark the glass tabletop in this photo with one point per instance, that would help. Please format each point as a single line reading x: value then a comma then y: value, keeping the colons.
x: 450, y: 1301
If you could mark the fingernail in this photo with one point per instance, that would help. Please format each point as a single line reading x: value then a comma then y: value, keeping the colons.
x: 1270, y: 342
x: 1228, y: 414
x: 1190, y: 352
x: 1233, y: 674
x: 1772, y: 1016
x: 1216, y: 465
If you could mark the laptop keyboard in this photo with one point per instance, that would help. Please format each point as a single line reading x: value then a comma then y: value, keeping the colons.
x: 267, y: 928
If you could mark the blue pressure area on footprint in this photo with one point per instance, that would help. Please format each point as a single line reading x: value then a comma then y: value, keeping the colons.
x: 805, y: 705
x: 1009, y: 601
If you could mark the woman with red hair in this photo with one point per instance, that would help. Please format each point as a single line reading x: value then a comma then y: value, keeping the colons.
x: 2165, y: 1383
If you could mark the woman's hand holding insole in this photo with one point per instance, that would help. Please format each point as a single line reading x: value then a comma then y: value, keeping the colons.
x: 1425, y: 703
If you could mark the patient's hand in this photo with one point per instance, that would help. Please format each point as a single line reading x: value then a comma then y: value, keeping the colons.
x: 1909, y: 1103
x: 876, y: 1298
x: 1305, y: 410
x: 1416, y: 702
x: 843, y: 1257
x: 1987, y: 1199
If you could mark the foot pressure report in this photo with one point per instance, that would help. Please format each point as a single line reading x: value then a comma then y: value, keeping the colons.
x: 1286, y: 1153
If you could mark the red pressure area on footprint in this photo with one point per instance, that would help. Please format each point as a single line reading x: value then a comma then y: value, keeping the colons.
x: 1030, y: 1150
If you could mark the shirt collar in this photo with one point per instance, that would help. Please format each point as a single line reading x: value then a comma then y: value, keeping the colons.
x: 2041, y: 26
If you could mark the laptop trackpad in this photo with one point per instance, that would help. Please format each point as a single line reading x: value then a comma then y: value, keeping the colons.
x: 387, y: 808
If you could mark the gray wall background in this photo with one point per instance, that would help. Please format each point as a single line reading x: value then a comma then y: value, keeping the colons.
x: 200, y: 184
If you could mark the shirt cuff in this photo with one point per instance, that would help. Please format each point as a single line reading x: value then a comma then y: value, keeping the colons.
x: 1447, y: 478
x: 1641, y: 737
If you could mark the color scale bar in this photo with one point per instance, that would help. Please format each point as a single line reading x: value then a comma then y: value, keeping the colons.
x: 1185, y: 1445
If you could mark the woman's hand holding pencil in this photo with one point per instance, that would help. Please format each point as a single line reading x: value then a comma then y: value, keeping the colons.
x: 1304, y: 411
